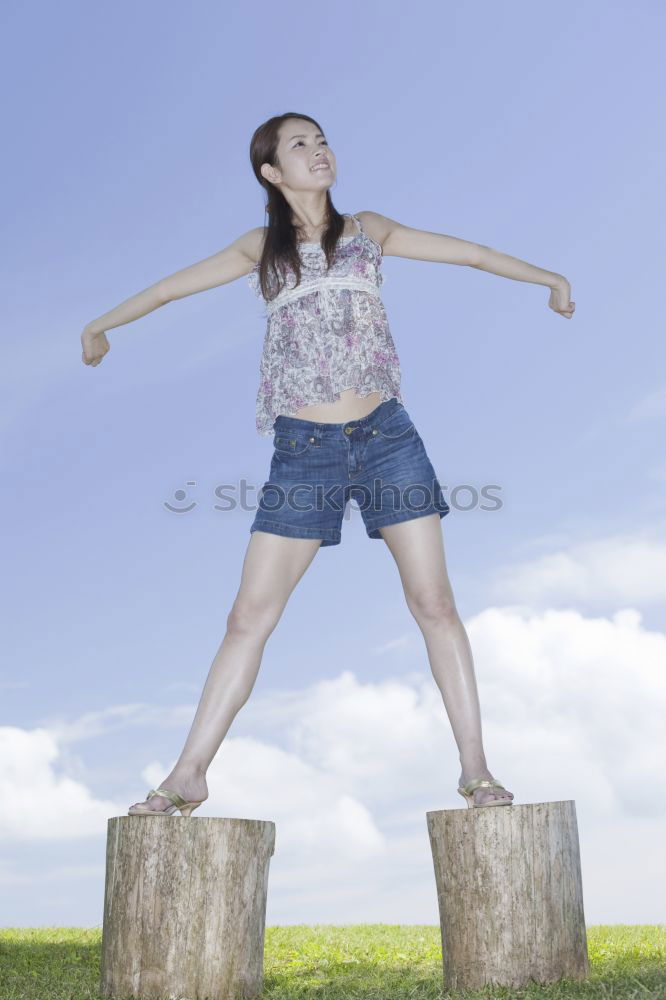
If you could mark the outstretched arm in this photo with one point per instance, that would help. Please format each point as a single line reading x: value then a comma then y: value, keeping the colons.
x: 228, y: 264
x: 397, y: 240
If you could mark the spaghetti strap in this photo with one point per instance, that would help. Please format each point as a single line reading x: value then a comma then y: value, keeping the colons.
x: 367, y: 236
x: 357, y: 221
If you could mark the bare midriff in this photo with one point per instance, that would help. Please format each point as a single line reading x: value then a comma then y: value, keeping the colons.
x: 350, y: 406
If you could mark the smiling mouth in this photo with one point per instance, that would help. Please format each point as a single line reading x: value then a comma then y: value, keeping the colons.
x: 320, y: 166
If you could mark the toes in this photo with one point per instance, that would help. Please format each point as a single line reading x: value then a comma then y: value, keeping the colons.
x: 493, y: 796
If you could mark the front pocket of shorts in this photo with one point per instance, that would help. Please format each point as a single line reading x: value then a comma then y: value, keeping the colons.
x: 285, y: 444
x: 398, y: 425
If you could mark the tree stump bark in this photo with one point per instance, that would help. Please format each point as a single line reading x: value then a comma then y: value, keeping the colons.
x: 185, y: 907
x: 510, y: 894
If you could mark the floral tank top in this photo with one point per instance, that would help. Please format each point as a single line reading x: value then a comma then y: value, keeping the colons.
x: 327, y: 334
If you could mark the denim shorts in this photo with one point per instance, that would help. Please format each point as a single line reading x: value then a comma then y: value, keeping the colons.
x: 379, y: 460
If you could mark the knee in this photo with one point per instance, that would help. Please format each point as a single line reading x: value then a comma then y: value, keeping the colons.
x: 433, y: 607
x: 251, y: 619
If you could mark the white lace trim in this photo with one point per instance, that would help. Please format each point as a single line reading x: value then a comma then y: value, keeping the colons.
x: 322, y: 284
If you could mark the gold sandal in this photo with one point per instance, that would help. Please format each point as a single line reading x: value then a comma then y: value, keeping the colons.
x: 467, y: 792
x: 178, y: 803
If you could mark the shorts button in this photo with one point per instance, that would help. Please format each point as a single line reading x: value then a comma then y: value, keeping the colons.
x: 349, y: 430
x: 311, y: 440
x: 374, y: 431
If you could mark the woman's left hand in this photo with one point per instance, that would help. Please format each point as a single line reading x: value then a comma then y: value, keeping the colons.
x: 559, y: 300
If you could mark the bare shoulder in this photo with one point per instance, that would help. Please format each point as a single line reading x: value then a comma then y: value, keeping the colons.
x: 236, y: 259
x: 399, y: 240
x: 376, y: 226
x: 251, y: 243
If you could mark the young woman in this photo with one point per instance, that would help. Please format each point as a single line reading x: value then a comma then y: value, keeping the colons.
x: 329, y: 394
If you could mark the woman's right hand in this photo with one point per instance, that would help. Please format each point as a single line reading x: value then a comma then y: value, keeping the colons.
x: 95, y: 346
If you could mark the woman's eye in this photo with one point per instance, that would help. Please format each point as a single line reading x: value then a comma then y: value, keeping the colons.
x: 322, y: 143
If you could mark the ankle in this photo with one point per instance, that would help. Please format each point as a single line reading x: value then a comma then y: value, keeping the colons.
x: 474, y: 767
x: 189, y: 772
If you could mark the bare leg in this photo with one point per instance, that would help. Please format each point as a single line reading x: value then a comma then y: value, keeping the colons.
x: 418, y: 549
x: 273, y: 566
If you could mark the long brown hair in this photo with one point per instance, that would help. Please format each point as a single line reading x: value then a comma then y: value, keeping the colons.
x: 280, y: 244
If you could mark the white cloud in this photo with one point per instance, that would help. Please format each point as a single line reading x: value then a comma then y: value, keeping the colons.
x: 572, y: 709
x: 583, y: 696
x: 313, y: 808
x: 579, y: 694
x: 116, y: 717
x: 38, y: 803
x: 624, y: 569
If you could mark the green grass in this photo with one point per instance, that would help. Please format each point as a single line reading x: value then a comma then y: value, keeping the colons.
x: 327, y: 962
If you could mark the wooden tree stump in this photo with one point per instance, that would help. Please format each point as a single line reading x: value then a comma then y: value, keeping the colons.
x: 185, y: 907
x: 510, y: 894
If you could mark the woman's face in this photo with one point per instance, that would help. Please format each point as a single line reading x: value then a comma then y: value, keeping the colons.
x: 303, y: 154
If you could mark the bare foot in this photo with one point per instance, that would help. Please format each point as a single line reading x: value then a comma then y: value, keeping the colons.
x: 484, y: 794
x: 193, y: 788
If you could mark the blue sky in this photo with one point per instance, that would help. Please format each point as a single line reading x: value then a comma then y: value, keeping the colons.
x: 530, y: 129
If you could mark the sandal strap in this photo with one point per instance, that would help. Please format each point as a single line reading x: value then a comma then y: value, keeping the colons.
x: 481, y: 783
x: 174, y: 797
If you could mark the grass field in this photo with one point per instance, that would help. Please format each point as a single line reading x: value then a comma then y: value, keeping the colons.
x: 339, y: 963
